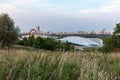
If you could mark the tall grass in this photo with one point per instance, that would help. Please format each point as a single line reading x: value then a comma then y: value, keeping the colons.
x: 41, y: 65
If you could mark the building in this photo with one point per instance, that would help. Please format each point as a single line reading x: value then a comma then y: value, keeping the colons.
x: 81, y: 42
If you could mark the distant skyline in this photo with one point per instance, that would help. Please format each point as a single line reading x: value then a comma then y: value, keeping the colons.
x: 63, y: 15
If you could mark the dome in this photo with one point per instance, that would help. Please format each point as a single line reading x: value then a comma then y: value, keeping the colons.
x: 81, y: 41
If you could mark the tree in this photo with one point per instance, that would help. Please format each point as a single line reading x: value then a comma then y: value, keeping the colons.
x: 8, y: 33
x: 117, y: 29
x: 109, y: 44
x: 112, y: 43
x: 49, y: 44
x: 31, y: 40
x: 38, y: 43
x: 117, y: 34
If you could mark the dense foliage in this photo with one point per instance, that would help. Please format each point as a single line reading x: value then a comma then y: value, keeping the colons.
x: 45, y: 43
x: 8, y: 33
x: 113, y: 43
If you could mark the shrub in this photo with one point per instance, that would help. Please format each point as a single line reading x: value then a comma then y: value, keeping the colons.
x: 112, y: 43
x: 109, y: 44
x: 45, y: 43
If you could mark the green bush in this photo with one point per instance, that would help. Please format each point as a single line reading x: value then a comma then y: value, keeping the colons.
x: 45, y: 43
x: 31, y: 40
x: 109, y: 44
x: 113, y: 42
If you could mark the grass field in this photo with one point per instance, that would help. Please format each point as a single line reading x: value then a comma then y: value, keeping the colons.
x: 20, y: 64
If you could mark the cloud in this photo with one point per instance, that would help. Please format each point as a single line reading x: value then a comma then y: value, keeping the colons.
x: 113, y: 7
x: 52, y: 16
x: 24, y: 5
x: 115, y: 2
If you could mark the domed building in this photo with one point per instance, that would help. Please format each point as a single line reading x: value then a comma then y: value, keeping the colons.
x: 81, y: 42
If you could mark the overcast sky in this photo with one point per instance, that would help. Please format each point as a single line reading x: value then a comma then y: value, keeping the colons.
x: 63, y: 15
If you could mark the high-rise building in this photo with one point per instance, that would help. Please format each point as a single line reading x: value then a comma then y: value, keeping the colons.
x: 38, y: 29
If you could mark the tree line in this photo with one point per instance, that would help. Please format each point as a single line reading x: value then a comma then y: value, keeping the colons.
x: 45, y: 43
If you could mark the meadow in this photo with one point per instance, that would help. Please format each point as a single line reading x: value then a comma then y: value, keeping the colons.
x: 21, y: 64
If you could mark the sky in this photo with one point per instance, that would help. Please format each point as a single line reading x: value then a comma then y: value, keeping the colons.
x: 63, y: 15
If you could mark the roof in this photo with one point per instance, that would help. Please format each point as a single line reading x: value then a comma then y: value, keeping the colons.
x: 81, y: 41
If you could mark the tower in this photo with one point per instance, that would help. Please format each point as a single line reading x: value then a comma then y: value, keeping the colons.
x: 38, y: 29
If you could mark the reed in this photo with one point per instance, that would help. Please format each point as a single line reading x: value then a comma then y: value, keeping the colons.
x: 44, y: 65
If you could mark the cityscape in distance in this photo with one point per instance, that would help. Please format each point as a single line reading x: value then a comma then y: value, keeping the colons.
x: 37, y: 30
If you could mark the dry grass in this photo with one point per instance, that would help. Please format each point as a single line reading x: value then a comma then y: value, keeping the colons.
x: 44, y: 65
